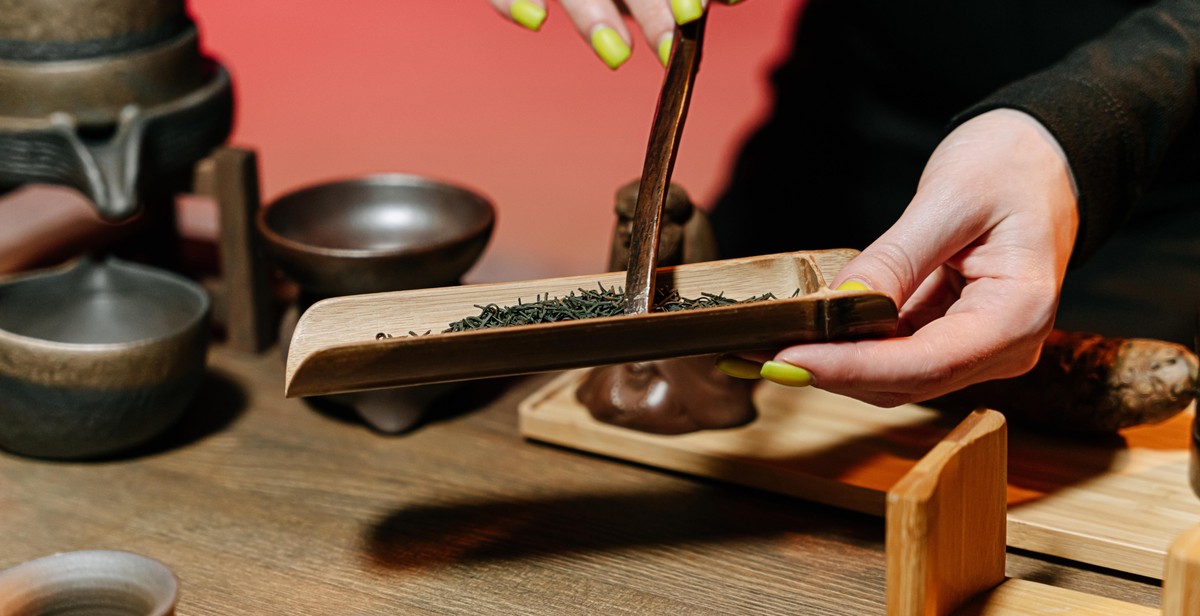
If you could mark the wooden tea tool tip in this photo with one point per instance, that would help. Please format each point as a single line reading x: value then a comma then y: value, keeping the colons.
x: 660, y: 159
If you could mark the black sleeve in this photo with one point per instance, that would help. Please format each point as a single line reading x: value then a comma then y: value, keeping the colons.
x: 1116, y: 105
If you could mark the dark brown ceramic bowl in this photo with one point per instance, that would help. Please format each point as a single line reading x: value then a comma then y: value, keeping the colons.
x: 97, y: 357
x: 377, y: 233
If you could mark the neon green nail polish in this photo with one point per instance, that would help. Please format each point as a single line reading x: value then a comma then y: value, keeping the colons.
x: 664, y: 48
x: 786, y: 374
x: 853, y: 285
x: 739, y: 368
x: 686, y: 10
x: 527, y: 14
x: 610, y: 46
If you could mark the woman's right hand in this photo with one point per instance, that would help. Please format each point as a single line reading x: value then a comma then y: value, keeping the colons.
x: 601, y: 24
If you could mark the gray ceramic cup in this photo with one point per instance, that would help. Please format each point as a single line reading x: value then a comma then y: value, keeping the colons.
x: 90, y: 582
x: 97, y: 357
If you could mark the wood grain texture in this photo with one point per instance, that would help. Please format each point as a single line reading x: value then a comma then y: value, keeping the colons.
x: 263, y: 506
x: 335, y: 349
x: 1115, y: 503
x: 1025, y: 598
x: 945, y: 521
x: 1181, y: 578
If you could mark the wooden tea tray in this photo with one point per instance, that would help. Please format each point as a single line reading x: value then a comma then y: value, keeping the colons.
x: 1116, y: 503
x: 334, y: 348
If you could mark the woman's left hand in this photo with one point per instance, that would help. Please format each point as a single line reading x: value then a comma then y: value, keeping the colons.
x: 976, y: 264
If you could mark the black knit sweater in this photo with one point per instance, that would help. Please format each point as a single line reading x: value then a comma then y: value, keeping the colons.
x: 871, y: 87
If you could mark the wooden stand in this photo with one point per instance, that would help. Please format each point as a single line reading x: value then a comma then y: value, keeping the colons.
x: 945, y: 540
x: 229, y: 176
x: 946, y: 518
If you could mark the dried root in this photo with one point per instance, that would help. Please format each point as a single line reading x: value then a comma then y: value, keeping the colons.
x: 1088, y: 383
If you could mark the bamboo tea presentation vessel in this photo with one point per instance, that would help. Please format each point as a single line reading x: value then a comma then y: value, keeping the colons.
x: 335, y: 349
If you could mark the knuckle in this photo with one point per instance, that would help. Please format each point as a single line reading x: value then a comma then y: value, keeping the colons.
x: 896, y: 262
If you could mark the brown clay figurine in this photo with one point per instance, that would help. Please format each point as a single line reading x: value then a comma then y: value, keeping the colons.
x: 672, y: 396
x: 686, y: 236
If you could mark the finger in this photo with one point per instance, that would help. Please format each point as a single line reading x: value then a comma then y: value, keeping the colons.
x: 687, y: 10
x: 930, y: 301
x: 690, y: 10
x: 745, y: 365
x: 528, y: 13
x: 657, y: 25
x: 927, y: 235
x: 600, y: 23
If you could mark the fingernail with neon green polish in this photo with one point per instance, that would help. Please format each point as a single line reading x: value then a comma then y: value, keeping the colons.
x: 527, y: 14
x: 853, y: 285
x: 739, y: 368
x: 664, y: 47
x: 610, y: 46
x: 786, y: 374
x: 686, y: 10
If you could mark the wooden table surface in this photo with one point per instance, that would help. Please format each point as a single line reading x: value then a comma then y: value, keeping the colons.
x: 263, y: 505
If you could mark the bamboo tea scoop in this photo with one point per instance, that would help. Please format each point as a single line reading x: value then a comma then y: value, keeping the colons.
x: 660, y: 160
x: 342, y: 344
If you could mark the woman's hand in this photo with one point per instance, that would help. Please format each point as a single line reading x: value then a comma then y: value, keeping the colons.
x: 976, y: 264
x: 601, y: 24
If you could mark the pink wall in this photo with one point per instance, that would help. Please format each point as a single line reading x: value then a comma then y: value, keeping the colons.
x: 533, y: 120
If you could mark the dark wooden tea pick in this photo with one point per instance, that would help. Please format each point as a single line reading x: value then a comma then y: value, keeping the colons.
x: 660, y: 159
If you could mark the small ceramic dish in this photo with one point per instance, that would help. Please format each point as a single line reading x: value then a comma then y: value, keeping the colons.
x: 89, y: 582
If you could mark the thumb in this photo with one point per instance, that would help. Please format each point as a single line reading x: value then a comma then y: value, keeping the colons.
x: 913, y: 248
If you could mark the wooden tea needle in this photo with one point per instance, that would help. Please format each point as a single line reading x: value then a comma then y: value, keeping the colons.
x: 660, y: 159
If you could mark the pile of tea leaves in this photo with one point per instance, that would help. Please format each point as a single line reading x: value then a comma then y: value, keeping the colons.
x: 583, y: 304
x: 586, y: 304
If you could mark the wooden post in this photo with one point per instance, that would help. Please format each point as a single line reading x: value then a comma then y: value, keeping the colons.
x: 1181, y: 592
x: 229, y: 176
x: 946, y: 521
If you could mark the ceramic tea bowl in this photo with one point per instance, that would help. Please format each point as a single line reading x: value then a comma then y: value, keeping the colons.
x: 97, y: 357
x: 387, y: 232
x: 89, y: 582
x: 376, y: 233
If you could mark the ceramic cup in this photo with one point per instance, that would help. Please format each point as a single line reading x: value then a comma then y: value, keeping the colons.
x: 91, y: 583
x: 97, y: 357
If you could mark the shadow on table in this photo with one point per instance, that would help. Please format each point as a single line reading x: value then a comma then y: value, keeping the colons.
x: 424, y: 536
x: 218, y: 402
x: 459, y: 400
x: 431, y: 536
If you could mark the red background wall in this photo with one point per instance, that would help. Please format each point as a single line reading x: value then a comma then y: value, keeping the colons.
x: 449, y: 89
